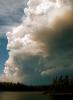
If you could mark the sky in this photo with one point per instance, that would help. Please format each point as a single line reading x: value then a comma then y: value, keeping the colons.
x: 36, y: 40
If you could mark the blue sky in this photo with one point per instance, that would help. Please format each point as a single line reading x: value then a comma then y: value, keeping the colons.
x: 33, y: 54
x: 3, y: 53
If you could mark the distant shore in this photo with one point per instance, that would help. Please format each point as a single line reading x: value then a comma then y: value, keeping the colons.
x: 60, y: 86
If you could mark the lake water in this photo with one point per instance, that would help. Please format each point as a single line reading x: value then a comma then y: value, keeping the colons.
x: 23, y: 96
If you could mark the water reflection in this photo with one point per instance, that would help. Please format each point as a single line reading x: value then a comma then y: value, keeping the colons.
x: 23, y: 96
x: 29, y: 96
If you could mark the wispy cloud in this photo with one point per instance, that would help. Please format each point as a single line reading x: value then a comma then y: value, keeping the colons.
x: 11, y: 12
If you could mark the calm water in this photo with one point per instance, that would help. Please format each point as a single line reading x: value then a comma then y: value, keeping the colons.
x: 23, y: 96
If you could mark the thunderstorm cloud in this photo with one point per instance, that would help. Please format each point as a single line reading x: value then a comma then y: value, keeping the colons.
x: 42, y: 44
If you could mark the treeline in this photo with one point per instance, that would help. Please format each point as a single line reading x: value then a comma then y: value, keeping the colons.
x: 59, y: 85
x: 7, y: 86
x: 63, y: 84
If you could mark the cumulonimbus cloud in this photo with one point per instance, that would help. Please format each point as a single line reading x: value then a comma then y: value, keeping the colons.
x: 45, y: 32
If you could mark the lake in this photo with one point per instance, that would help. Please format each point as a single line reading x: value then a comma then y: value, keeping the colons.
x: 24, y: 96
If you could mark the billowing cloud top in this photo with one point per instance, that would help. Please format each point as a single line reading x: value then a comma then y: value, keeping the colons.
x: 43, y: 44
